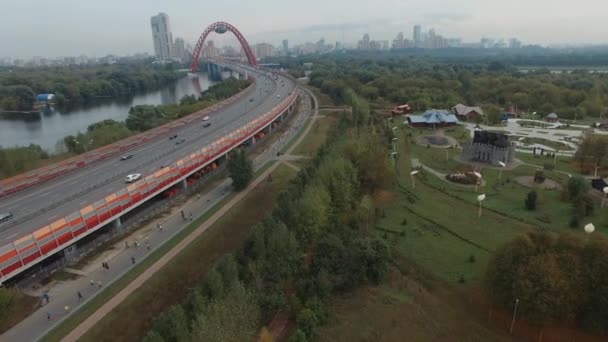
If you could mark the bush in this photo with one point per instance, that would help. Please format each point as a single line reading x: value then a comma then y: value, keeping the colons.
x: 574, y: 222
x: 539, y: 176
x: 531, y: 200
x: 548, y: 166
x: 404, y: 222
x: 472, y: 258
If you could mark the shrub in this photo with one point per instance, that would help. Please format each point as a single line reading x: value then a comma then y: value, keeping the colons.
x: 404, y: 222
x: 472, y: 258
x: 531, y: 200
x: 548, y: 166
x: 539, y: 176
x: 574, y: 222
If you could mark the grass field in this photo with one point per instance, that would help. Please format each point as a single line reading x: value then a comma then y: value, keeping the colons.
x: 187, y: 270
x: 402, y: 310
x: 316, y: 137
x: 550, y: 143
x: 438, y: 227
x: 324, y: 100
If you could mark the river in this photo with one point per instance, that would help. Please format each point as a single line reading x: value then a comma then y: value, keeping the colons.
x: 48, y: 128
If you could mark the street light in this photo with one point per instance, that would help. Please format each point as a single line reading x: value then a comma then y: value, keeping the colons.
x: 514, y: 313
x: 478, y: 175
x: 393, y: 140
x: 605, y: 190
x: 412, y: 174
x: 502, y: 166
x: 589, y: 228
x: 480, y: 199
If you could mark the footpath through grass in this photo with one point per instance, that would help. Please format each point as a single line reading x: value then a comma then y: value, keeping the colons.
x: 439, y: 231
x: 132, y: 318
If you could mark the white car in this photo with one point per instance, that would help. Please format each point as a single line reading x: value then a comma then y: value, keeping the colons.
x: 133, y: 177
x: 205, y: 118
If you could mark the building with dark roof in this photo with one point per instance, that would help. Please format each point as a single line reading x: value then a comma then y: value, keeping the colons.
x: 466, y: 113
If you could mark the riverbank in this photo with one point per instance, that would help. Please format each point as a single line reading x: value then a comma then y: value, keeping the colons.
x: 17, y: 160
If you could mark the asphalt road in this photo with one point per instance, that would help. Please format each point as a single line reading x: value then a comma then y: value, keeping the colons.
x: 47, y: 201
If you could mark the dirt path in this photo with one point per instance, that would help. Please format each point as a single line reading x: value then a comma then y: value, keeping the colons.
x: 87, y: 324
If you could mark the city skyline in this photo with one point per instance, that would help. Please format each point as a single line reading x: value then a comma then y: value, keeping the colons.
x: 544, y: 22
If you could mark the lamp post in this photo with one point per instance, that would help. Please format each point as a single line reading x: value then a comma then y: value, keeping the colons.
x: 393, y: 141
x: 605, y: 190
x: 480, y: 199
x: 589, y: 228
x: 447, y: 154
x: 478, y: 175
x: 393, y: 156
x: 502, y: 166
x: 412, y: 174
x: 514, y: 313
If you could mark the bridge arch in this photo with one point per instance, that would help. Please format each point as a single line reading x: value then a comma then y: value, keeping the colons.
x: 221, y: 28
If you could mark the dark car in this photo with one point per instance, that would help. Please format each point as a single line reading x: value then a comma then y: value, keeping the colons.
x: 207, y: 124
x: 126, y: 156
x: 180, y: 141
x: 251, y: 99
x: 173, y: 137
x: 6, y: 216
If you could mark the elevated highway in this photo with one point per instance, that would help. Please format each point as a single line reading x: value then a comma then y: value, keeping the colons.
x: 57, y: 213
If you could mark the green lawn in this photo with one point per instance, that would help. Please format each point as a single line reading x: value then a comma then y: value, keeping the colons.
x: 316, y: 136
x: 443, y: 229
x: 550, y: 143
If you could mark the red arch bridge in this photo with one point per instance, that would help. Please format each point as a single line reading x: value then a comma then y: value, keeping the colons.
x: 56, y: 230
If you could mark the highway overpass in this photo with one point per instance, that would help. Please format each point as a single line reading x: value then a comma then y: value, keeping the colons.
x: 56, y: 213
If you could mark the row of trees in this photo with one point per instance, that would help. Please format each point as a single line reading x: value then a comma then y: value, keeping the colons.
x: 144, y: 117
x: 312, y: 246
x: 555, y: 278
x: 16, y: 160
x: 76, y: 84
x: 425, y: 84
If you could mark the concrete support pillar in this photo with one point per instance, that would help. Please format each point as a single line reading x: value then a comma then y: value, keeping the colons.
x: 183, y: 185
x: 116, y: 225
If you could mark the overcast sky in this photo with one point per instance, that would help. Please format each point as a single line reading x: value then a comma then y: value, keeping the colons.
x: 98, y: 27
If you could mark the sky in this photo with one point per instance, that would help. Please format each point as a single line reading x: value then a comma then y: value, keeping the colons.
x: 96, y: 28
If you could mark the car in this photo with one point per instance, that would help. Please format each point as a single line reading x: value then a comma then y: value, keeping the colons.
x: 251, y: 99
x: 207, y: 124
x: 126, y: 156
x: 205, y: 118
x: 6, y: 216
x: 180, y: 141
x: 278, y: 96
x: 173, y: 137
x: 133, y: 177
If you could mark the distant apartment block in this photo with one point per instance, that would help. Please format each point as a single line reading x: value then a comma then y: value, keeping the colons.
x: 162, y: 37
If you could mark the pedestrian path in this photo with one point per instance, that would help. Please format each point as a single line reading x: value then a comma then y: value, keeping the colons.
x: 123, y: 294
x: 64, y: 296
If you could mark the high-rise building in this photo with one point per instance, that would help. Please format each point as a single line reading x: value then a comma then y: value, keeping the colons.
x: 514, y: 43
x: 263, y: 50
x: 161, y: 35
x: 179, y: 49
x: 285, y: 47
x: 417, y: 35
x: 364, y: 44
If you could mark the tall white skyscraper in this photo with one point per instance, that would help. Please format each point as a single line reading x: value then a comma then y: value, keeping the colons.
x: 179, y: 49
x: 162, y: 37
x: 417, y: 35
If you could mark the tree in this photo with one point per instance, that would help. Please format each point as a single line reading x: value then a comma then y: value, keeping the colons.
x: 307, y: 322
x: 240, y: 169
x: 232, y: 318
x: 531, y: 200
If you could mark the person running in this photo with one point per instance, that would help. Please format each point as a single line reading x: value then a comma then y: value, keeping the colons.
x: 133, y: 260
x: 183, y: 215
x: 48, y: 316
x: 99, y: 283
x: 191, y: 217
x: 79, y: 296
x: 92, y: 283
x: 148, y: 245
x: 126, y: 244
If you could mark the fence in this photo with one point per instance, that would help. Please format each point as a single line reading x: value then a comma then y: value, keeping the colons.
x: 32, y: 248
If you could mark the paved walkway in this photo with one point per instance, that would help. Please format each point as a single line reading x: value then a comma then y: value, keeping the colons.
x: 119, y: 258
x: 123, y: 294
